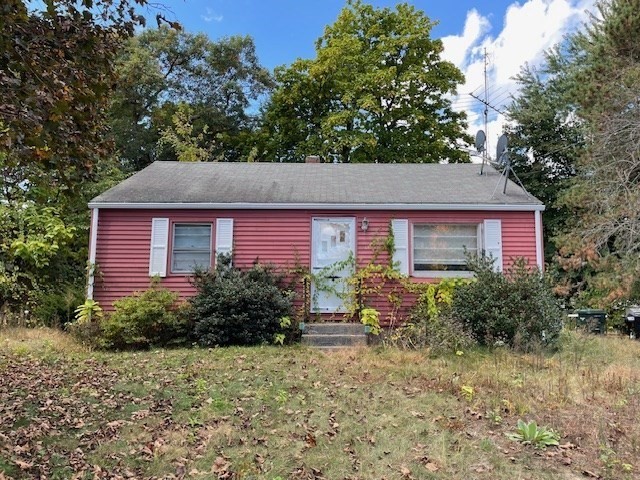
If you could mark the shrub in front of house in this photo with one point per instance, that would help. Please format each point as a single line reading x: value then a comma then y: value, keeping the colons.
x: 430, y: 324
x: 142, y: 320
x: 517, y: 308
x: 238, y: 307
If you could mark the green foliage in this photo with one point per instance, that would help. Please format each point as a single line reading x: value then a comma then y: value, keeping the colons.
x: 39, y: 235
x: 238, y: 307
x: 370, y: 317
x: 183, y: 96
x: 142, y: 320
x: 430, y: 324
x: 529, y: 433
x: 88, y: 311
x: 517, y: 308
x: 546, y: 139
x: 286, y: 325
x: 180, y: 136
x: 467, y: 392
x: 31, y: 238
x: 55, y: 306
x: 578, y: 116
x: 377, y: 91
x: 56, y: 75
x: 57, y: 66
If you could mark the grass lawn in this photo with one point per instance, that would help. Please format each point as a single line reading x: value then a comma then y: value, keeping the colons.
x: 296, y: 413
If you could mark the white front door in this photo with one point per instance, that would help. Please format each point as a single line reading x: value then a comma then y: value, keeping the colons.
x: 332, y: 247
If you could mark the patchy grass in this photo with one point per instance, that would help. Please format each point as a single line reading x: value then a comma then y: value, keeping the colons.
x: 296, y: 413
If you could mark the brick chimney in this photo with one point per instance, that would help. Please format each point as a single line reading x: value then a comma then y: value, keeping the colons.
x: 312, y: 159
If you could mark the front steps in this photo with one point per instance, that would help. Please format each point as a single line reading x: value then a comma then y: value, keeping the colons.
x: 333, y: 336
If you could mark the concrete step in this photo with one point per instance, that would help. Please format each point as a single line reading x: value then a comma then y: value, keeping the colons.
x: 315, y: 340
x: 333, y: 329
x: 339, y: 348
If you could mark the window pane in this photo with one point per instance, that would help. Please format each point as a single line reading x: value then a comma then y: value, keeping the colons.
x: 189, y: 261
x: 192, y: 236
x: 191, y: 247
x: 443, y: 246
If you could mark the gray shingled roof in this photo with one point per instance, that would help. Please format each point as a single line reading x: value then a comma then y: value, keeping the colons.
x: 328, y: 184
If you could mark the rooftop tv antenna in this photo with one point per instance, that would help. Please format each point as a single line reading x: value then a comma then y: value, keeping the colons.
x: 503, y: 160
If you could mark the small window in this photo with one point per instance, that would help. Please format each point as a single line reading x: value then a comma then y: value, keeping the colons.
x: 191, y: 248
x: 442, y: 247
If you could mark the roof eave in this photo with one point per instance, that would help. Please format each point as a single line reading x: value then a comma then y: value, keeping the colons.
x: 517, y: 207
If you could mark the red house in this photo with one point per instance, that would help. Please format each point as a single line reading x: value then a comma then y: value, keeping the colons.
x: 171, y: 217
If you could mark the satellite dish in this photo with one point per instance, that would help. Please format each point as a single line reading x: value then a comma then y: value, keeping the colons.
x: 480, y: 140
x: 501, y: 149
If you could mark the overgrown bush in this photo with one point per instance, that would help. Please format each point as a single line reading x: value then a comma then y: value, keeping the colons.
x: 236, y: 307
x: 517, y: 308
x: 430, y: 324
x: 142, y: 320
x: 55, y: 306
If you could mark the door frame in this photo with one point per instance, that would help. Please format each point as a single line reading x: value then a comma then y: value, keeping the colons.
x: 315, y: 220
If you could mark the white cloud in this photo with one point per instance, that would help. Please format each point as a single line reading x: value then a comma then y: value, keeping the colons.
x: 529, y: 28
x: 211, y: 16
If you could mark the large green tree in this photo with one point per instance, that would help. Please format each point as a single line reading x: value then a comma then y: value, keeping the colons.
x: 377, y: 91
x: 169, y: 81
x: 56, y: 73
x: 605, y: 197
x: 546, y: 138
x: 583, y: 116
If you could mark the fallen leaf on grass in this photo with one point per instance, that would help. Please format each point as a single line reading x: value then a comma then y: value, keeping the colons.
x: 406, y: 473
x: 429, y: 464
x: 567, y: 446
x: 23, y: 465
x: 310, y: 439
x: 590, y: 474
x: 221, y: 467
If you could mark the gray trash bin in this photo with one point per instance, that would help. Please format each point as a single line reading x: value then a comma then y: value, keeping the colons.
x: 592, y: 320
x: 632, y: 318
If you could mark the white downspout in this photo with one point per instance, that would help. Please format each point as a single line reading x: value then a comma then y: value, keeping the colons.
x: 538, y: 231
x: 92, y: 251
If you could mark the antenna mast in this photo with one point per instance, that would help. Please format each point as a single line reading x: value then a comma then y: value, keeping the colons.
x: 485, y: 100
x: 486, y: 109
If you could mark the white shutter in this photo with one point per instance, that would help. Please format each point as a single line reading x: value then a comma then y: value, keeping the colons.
x: 159, y: 247
x: 400, y: 229
x: 493, y: 242
x: 224, y: 236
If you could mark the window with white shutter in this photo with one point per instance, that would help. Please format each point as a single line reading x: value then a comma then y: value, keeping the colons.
x: 159, y: 247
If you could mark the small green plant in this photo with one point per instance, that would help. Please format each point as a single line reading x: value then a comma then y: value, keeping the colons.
x: 467, y: 392
x: 282, y: 396
x: 529, y: 433
x: 494, y: 417
x: 280, y: 337
x: 87, y: 311
x: 370, y: 317
x: 201, y: 387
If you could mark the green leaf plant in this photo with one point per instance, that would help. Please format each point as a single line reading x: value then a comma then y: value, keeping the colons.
x: 529, y: 433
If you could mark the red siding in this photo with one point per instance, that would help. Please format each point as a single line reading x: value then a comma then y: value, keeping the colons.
x: 281, y: 237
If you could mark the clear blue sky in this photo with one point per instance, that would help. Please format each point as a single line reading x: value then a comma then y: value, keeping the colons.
x: 284, y: 30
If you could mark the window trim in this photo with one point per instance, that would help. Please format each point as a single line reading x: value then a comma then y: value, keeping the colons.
x: 173, y: 244
x: 443, y: 273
